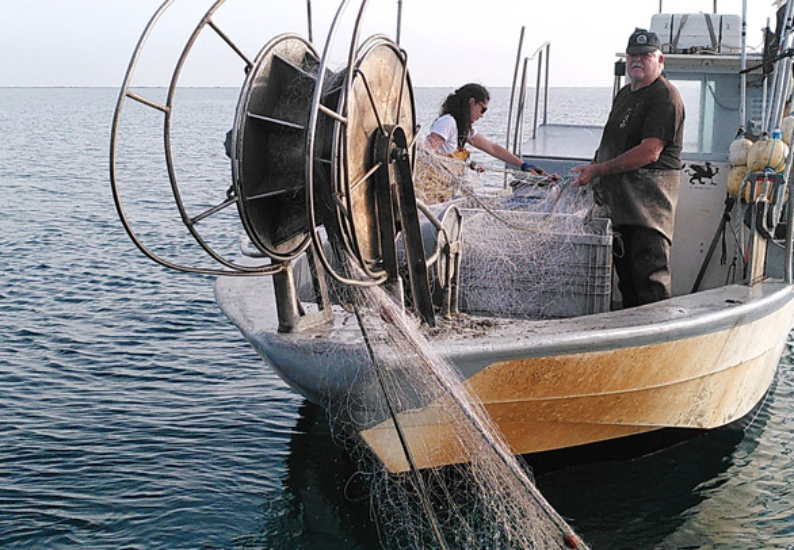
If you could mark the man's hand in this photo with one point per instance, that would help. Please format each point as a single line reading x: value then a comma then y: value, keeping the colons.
x: 586, y: 173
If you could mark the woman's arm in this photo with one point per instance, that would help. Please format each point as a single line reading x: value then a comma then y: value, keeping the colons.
x: 488, y: 146
x: 497, y: 151
x: 434, y: 141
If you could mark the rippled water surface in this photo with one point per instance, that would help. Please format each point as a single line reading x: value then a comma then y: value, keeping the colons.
x: 133, y: 415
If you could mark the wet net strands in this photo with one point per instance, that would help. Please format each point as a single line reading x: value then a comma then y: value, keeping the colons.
x: 487, y: 499
x: 407, y: 405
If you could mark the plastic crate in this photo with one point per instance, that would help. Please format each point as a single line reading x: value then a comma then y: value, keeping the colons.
x: 534, y: 266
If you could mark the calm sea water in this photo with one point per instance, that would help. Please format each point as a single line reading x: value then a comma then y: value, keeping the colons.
x: 133, y: 415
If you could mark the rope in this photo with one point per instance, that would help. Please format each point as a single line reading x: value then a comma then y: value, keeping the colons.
x: 401, y: 434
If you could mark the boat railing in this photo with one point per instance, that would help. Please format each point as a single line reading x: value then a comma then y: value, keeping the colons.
x: 515, y: 112
x: 541, y: 57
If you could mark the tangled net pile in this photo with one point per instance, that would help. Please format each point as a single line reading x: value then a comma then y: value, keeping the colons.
x: 486, y: 499
x: 407, y: 408
x: 537, y: 253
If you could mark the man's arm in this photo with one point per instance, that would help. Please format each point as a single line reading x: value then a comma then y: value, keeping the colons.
x: 646, y: 152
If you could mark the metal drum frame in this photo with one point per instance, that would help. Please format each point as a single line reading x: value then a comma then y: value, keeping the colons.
x: 231, y: 197
x: 304, y: 157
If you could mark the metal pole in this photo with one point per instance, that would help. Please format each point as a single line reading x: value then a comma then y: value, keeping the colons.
x: 309, y: 16
x: 786, y: 73
x: 519, y: 135
x: 546, y: 86
x: 743, y: 86
x: 789, y: 227
x: 513, y: 97
x: 399, y: 19
x: 779, y: 74
x: 537, y: 97
x: 513, y: 90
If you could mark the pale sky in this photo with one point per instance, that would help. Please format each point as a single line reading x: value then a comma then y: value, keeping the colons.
x: 449, y: 42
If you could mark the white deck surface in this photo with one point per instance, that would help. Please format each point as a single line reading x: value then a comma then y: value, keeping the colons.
x: 566, y: 141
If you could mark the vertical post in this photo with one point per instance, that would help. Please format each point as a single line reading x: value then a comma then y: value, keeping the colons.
x: 513, y: 90
x: 660, y: 6
x: 412, y: 231
x: 546, y: 86
x: 519, y: 134
x: 513, y: 97
x: 743, y: 78
x: 399, y: 19
x: 286, y: 299
x: 309, y: 17
x: 781, y: 77
x: 789, y: 247
x: 537, y: 97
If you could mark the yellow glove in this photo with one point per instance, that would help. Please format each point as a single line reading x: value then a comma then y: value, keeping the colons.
x: 461, y: 154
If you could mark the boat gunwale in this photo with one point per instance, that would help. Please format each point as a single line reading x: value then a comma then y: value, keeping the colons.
x: 554, y: 338
x: 677, y: 318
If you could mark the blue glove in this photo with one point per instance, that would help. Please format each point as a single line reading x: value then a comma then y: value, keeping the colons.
x: 527, y: 167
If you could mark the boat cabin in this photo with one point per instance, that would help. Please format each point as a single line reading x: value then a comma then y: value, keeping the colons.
x: 723, y: 92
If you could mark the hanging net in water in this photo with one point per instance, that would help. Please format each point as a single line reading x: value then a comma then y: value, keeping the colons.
x: 407, y: 410
x: 421, y: 407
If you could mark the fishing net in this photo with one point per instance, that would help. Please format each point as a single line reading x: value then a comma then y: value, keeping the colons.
x: 407, y: 410
x: 411, y: 406
x: 440, y: 473
x: 533, y: 252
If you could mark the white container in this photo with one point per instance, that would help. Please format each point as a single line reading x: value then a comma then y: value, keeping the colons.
x: 692, y: 33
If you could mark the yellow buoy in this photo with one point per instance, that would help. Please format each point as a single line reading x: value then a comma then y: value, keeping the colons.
x: 737, y: 153
x: 735, y: 179
x: 787, y: 127
x: 767, y: 154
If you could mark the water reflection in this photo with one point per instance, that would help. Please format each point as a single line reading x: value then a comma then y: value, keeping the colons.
x: 723, y: 489
x: 617, y: 504
x: 324, y: 502
x: 639, y: 503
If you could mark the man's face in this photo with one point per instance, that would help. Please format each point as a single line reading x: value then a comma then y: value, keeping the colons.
x: 644, y: 68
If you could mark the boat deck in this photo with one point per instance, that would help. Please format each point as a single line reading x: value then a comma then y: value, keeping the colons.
x: 564, y: 142
x: 471, y: 342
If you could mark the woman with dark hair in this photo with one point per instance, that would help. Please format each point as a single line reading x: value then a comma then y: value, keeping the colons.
x: 454, y: 127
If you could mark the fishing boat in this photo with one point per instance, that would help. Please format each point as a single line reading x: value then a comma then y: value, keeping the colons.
x: 323, y: 162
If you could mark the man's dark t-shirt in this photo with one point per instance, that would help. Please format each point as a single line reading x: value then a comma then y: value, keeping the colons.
x: 648, y: 196
x: 653, y: 111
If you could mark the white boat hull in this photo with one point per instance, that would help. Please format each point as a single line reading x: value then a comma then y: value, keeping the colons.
x: 699, y: 361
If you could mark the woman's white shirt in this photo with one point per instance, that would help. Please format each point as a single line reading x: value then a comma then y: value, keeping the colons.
x: 446, y: 127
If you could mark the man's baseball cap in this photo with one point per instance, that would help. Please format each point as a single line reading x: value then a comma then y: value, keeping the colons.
x: 642, y: 41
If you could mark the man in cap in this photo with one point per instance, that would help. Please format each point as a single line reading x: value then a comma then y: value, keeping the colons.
x: 637, y: 171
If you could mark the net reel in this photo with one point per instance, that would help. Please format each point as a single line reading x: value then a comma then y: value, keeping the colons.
x: 317, y: 156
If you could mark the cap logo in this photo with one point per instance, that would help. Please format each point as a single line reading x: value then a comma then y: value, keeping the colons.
x: 642, y: 39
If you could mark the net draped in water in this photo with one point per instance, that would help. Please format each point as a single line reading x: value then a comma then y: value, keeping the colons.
x: 412, y: 407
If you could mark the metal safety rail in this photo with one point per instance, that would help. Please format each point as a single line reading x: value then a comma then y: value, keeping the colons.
x: 541, y: 55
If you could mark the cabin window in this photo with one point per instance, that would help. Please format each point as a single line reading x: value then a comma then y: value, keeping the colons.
x: 712, y: 104
x: 691, y: 93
